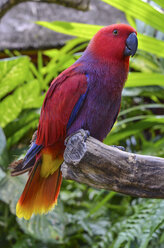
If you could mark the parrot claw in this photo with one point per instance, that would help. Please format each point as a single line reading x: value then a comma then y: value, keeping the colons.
x: 84, y: 133
x: 120, y: 148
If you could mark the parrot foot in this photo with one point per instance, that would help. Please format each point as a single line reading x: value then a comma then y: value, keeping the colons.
x: 84, y: 133
x: 120, y: 148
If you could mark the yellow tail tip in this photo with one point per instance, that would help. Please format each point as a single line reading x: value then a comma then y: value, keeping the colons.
x: 22, y: 212
x: 27, y: 211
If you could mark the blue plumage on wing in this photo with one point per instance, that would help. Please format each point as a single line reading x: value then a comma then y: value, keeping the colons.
x: 77, y: 107
x: 31, y: 153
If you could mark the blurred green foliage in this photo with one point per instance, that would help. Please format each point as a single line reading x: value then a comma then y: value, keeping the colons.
x: 86, y: 217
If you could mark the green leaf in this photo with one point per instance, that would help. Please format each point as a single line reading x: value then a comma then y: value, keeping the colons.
x: 151, y: 45
x: 133, y: 128
x: 140, y: 107
x: 102, y: 203
x: 40, y: 66
x: 10, y: 108
x: 24, y: 97
x: 14, y: 72
x: 136, y: 79
x: 145, y: 62
x: 10, y: 190
x: 72, y: 28
x: 17, y: 129
x: 140, y: 10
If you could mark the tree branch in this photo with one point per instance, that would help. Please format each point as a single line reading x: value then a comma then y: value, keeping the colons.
x: 101, y: 166
x: 76, y: 4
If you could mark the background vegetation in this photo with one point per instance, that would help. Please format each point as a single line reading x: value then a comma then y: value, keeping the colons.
x: 86, y: 217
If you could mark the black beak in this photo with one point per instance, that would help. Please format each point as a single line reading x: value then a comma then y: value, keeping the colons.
x: 131, y: 45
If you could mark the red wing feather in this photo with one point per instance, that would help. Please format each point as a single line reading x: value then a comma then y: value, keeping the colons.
x: 59, y: 102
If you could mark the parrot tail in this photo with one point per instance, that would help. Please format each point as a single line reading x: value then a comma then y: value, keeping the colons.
x: 42, y: 188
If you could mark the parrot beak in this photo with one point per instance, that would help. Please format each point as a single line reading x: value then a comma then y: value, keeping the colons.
x: 131, y: 45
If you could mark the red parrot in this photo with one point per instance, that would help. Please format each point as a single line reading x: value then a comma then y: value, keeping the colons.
x: 86, y: 96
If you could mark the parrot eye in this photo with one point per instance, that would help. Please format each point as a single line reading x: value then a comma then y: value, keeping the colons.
x: 115, y: 32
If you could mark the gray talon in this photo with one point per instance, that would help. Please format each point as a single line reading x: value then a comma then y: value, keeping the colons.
x: 86, y: 134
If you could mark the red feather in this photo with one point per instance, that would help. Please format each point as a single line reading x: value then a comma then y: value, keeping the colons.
x: 60, y: 100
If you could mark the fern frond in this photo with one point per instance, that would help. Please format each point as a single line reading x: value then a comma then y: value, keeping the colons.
x: 142, y: 226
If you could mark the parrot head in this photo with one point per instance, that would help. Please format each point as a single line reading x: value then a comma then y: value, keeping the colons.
x: 114, y: 42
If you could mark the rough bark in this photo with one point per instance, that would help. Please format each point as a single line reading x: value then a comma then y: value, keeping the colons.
x: 101, y: 166
x: 76, y: 4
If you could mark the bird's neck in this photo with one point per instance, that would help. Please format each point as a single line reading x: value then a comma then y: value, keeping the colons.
x: 110, y: 74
